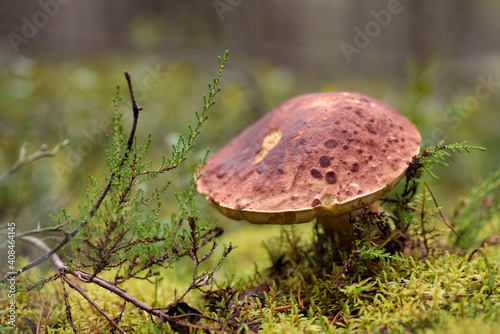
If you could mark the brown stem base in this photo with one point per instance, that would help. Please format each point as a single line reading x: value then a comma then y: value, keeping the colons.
x: 340, y: 230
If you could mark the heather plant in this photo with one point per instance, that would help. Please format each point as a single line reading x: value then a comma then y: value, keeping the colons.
x: 118, y: 229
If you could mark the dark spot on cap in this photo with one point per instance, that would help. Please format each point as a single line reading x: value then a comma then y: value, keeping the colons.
x: 355, y: 131
x: 330, y: 143
x: 324, y: 161
x: 358, y: 112
x: 345, y: 147
x: 330, y: 177
x: 344, y: 130
x: 370, y: 157
x: 260, y: 169
x: 372, y: 119
x: 355, y: 167
x: 221, y: 173
x: 370, y: 128
x: 360, y: 150
x: 349, y: 140
x: 337, y: 122
x: 348, y: 193
x: 316, y: 174
x: 237, y: 207
x: 315, y: 202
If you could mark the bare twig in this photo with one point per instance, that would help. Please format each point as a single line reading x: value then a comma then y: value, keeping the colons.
x: 91, y: 302
x: 68, y: 307
x: 440, y: 213
x: 43, y: 229
x: 39, y: 154
x: 334, y: 320
x: 50, y: 309
x: 206, y: 238
x: 422, y: 219
x: 122, y: 294
x: 135, y: 110
x: 41, y: 245
x: 40, y: 317
x: 301, y: 304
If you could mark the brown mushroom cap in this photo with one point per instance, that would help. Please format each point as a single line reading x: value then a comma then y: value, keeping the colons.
x: 316, y: 154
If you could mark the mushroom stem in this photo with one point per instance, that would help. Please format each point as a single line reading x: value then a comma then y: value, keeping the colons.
x: 340, y: 230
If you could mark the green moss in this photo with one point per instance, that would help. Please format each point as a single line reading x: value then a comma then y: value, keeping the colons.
x: 401, y: 296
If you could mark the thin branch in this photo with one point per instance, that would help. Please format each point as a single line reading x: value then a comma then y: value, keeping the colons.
x: 52, y: 251
x: 42, y: 306
x: 104, y: 314
x: 69, y: 318
x: 39, y: 154
x: 60, y: 266
x: 440, y: 213
x: 43, y: 229
x: 86, y: 278
x: 122, y: 294
x: 206, y: 238
x: 208, y: 102
x: 135, y: 109
x: 99, y: 201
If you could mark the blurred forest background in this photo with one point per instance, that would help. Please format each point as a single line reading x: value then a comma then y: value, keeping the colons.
x: 437, y: 62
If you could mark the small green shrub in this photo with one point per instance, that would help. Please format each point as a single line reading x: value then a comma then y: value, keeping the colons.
x: 118, y: 233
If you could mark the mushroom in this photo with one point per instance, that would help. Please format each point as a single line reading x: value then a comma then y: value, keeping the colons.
x: 320, y: 155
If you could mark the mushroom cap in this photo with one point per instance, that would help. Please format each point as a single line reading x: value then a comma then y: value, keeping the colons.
x: 316, y: 154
